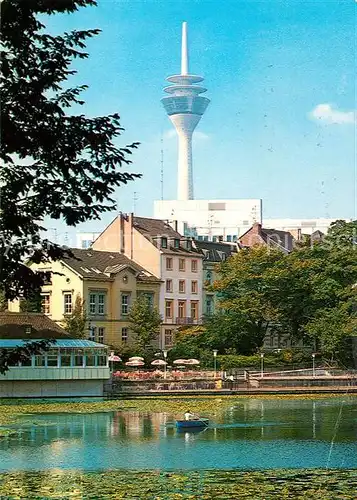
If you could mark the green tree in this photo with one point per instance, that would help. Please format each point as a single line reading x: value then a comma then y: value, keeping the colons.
x: 32, y: 304
x: 56, y: 162
x: 145, y: 322
x: 245, y: 311
x: 76, y: 323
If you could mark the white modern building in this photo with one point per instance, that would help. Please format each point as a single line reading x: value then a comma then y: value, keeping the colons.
x: 301, y: 226
x: 210, y: 220
x: 185, y: 108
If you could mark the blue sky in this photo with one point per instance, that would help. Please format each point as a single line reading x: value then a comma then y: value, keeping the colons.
x: 281, y: 78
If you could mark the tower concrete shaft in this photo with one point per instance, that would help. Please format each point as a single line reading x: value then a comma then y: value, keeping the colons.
x: 185, y: 108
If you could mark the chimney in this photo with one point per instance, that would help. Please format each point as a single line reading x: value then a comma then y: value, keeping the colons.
x: 131, y: 226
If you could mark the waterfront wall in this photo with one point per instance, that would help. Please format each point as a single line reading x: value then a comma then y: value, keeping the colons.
x: 51, y: 388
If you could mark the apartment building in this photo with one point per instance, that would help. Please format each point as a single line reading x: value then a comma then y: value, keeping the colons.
x: 175, y: 260
x: 108, y: 282
x: 213, y: 255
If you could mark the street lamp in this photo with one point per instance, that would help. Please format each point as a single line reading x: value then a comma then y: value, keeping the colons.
x: 313, y: 364
x: 165, y: 358
x: 215, y: 352
x: 262, y: 364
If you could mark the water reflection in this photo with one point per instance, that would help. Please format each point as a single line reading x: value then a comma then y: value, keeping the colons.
x: 268, y: 432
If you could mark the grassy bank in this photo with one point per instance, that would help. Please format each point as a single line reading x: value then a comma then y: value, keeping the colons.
x: 144, y: 485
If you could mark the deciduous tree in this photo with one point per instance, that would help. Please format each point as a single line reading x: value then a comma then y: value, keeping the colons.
x: 55, y: 162
x: 145, y: 321
x: 76, y: 322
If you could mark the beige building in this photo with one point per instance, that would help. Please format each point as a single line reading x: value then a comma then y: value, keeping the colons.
x: 175, y: 260
x: 108, y: 282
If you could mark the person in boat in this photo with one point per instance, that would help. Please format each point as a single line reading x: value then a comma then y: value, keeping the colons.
x: 189, y: 415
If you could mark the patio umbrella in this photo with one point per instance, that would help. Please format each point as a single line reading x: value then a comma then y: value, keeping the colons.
x: 192, y: 362
x: 136, y: 358
x: 180, y: 361
x: 135, y: 363
x: 113, y: 357
x: 159, y: 362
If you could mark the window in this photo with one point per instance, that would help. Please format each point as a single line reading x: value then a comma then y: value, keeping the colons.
x: 194, y: 266
x: 52, y: 360
x: 149, y: 297
x: 101, y: 330
x: 168, y: 286
x: 45, y: 303
x: 78, y: 360
x: 92, y: 303
x: 97, y: 303
x: 67, y: 297
x: 91, y: 335
x: 182, y: 286
x: 214, y: 238
x: 194, y: 287
x: 168, y: 309
x: 168, y: 338
x: 176, y: 243
x: 208, y: 278
x: 182, y: 309
x: 194, y: 310
x: 209, y: 306
x: 235, y: 237
x: 65, y: 359
x: 101, y: 302
x: 229, y: 237
x: 27, y: 361
x: 163, y: 242
x: 168, y: 264
x: 101, y: 360
x: 182, y: 264
x: 124, y: 335
x: 40, y: 361
x: 90, y: 358
x: 125, y: 303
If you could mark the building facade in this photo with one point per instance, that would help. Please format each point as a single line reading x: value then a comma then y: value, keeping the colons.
x: 158, y: 247
x: 107, y: 282
x: 211, y: 220
x: 213, y: 255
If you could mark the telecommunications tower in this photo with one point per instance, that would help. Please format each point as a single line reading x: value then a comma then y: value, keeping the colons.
x: 185, y: 107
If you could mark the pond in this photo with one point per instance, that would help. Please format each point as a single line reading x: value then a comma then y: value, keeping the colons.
x: 246, y: 434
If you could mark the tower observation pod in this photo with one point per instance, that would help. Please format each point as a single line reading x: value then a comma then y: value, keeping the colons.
x: 185, y: 107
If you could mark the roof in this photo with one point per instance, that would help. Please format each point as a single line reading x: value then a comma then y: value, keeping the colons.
x: 154, y: 229
x: 101, y: 265
x: 14, y: 325
x: 75, y: 343
x: 282, y: 240
x: 215, y: 251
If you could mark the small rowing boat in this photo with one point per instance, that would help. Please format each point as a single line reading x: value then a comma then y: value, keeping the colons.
x: 197, y: 423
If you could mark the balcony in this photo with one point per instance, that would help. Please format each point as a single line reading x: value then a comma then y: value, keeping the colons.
x: 187, y: 321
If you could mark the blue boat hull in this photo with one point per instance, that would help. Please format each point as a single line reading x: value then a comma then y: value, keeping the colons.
x: 192, y: 424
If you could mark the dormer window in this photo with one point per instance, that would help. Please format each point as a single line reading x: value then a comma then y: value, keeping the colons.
x: 176, y: 243
x: 163, y: 242
x: 189, y: 245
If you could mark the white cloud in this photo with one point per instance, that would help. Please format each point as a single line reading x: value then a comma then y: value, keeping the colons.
x: 327, y: 114
x: 197, y: 135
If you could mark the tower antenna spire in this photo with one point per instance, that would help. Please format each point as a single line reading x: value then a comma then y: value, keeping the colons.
x: 185, y: 107
x: 184, y: 50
